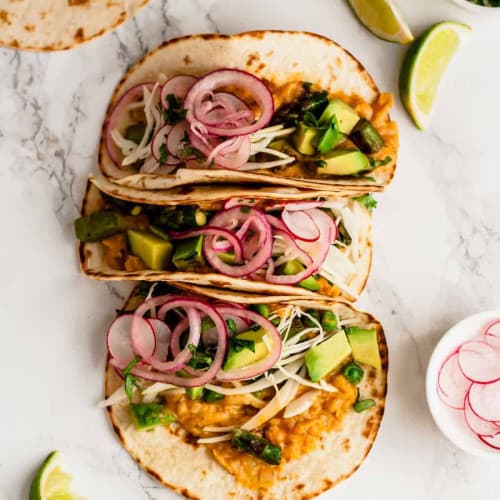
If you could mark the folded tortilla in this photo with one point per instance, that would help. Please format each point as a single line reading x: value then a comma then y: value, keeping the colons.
x: 351, y: 274
x: 60, y: 24
x: 284, y: 59
x: 169, y: 455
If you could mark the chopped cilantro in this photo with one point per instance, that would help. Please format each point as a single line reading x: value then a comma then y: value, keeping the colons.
x: 231, y: 324
x: 245, y: 210
x: 237, y: 345
x: 130, y: 380
x: 367, y: 200
x: 163, y: 154
x: 199, y: 359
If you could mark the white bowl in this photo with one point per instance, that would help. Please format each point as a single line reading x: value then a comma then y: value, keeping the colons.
x: 480, y: 9
x: 452, y: 422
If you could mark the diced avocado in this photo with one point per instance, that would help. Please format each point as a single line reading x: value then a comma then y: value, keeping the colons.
x: 295, y: 267
x: 330, y: 138
x: 344, y: 162
x: 194, y: 392
x: 188, y: 253
x: 327, y: 356
x: 364, y: 346
x: 366, y: 137
x: 346, y: 116
x: 149, y: 415
x: 305, y: 139
x: 155, y: 252
x: 244, y: 357
x: 135, y: 132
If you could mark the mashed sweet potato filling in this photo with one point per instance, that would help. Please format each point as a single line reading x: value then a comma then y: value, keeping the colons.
x: 296, y: 436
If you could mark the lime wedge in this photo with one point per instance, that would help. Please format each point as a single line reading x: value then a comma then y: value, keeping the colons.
x: 383, y: 19
x: 51, y: 482
x: 424, y: 66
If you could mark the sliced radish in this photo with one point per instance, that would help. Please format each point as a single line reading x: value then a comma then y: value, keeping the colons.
x: 477, y: 424
x: 177, y: 138
x: 178, y: 86
x: 301, y: 225
x: 491, y: 441
x: 162, y: 334
x: 479, y: 361
x: 452, y: 383
x: 142, y: 336
x: 118, y: 340
x: 492, y: 334
x: 485, y: 400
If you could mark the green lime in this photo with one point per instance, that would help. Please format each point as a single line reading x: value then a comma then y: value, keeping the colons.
x: 424, y: 66
x: 51, y: 482
x: 383, y: 19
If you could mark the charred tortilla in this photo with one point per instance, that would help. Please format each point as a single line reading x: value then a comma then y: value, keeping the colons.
x: 93, y: 260
x: 60, y: 24
x: 169, y: 455
x: 284, y: 60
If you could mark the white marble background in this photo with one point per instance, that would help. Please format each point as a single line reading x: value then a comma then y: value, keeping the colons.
x: 437, y: 246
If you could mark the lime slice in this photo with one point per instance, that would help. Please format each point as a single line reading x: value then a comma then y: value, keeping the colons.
x: 51, y: 482
x: 424, y: 66
x: 383, y: 19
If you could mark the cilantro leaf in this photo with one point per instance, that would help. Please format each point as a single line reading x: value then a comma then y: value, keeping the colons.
x: 199, y: 359
x: 367, y: 200
x: 130, y: 380
x: 379, y: 163
x: 237, y: 345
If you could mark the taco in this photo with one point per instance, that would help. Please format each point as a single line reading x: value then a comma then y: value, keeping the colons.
x: 60, y: 24
x: 257, y: 240
x: 273, y: 107
x: 243, y: 396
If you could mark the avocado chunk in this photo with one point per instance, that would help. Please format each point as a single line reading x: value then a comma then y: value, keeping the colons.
x: 367, y: 137
x: 295, y: 267
x: 364, y: 346
x: 344, y: 162
x: 188, y: 253
x: 195, y: 393
x: 346, y: 116
x: 238, y: 358
x: 331, y: 137
x: 327, y: 356
x: 155, y: 252
x: 305, y: 139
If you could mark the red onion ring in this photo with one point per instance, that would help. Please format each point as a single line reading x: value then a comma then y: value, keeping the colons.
x: 263, y: 365
x: 256, y: 251
x: 159, y: 139
x: 231, y: 77
x: 111, y: 122
x: 212, y: 232
x: 300, y: 224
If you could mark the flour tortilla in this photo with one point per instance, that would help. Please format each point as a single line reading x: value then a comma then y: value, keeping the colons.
x: 191, y: 470
x: 276, y: 56
x: 60, y: 24
x: 93, y: 263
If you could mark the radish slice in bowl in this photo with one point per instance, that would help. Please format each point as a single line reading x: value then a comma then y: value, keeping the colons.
x: 477, y: 424
x: 492, y: 334
x: 479, y: 362
x: 452, y: 383
x: 485, y: 400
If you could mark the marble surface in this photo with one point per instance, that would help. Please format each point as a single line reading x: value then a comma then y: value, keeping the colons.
x: 437, y: 246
